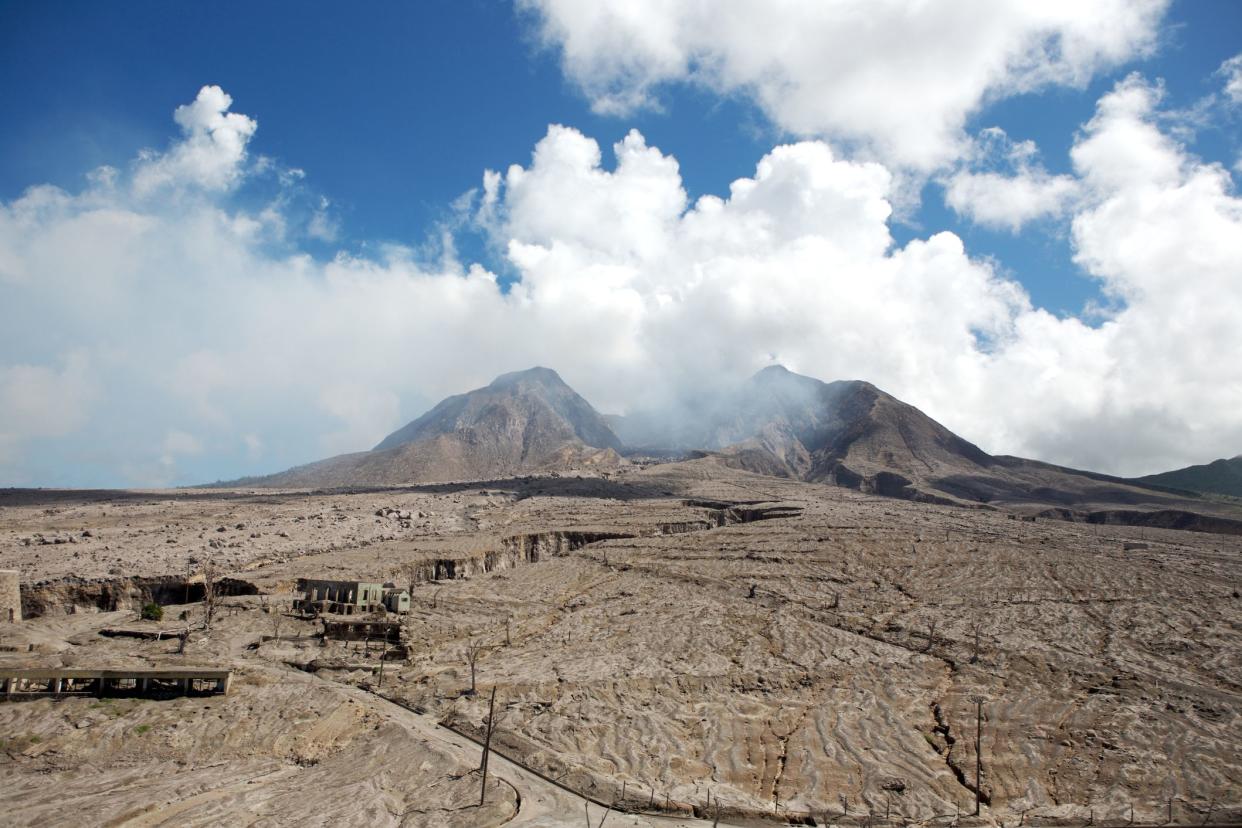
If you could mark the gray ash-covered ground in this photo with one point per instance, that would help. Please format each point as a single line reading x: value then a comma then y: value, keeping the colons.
x: 820, y: 662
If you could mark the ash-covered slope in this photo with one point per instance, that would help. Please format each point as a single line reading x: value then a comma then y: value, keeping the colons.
x: 1218, y: 477
x: 853, y: 434
x: 779, y: 422
x: 538, y: 399
x: 522, y: 422
x: 847, y: 433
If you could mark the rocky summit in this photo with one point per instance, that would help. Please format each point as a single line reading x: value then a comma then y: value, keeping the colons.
x: 846, y: 433
x: 522, y: 422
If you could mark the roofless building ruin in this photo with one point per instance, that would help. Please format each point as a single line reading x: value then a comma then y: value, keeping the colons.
x: 350, y: 597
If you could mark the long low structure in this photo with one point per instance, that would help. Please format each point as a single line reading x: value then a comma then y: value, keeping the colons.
x: 67, y: 681
x: 341, y: 629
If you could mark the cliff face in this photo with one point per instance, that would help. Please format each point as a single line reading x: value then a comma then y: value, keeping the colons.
x: 73, y: 595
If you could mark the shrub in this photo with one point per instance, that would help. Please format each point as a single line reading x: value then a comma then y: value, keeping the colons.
x: 152, y: 611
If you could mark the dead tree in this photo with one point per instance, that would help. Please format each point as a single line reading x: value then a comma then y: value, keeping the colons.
x: 587, y: 807
x: 474, y: 651
x: 979, y: 756
x: 487, y: 745
x: 977, y: 629
x: 209, y: 594
x: 409, y: 571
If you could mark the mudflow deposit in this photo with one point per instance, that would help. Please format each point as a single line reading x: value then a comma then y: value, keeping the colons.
x: 805, y: 606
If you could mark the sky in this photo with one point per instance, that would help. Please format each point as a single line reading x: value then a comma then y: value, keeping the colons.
x: 237, y: 237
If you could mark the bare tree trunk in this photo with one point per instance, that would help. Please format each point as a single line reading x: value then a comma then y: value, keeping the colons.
x: 487, y: 744
x: 979, y: 754
x: 977, y: 628
x: 474, y: 650
x: 209, y: 594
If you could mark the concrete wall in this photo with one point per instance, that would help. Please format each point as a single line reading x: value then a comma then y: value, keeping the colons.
x: 10, y: 596
x: 341, y: 592
x: 397, y: 600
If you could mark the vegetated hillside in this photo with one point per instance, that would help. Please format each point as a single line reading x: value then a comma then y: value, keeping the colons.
x: 522, y: 422
x: 852, y: 434
x: 1218, y: 477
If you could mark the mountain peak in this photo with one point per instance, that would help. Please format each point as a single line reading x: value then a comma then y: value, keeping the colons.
x: 775, y: 369
x: 532, y: 405
x: 536, y: 375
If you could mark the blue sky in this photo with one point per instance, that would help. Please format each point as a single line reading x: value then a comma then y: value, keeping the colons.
x: 392, y: 111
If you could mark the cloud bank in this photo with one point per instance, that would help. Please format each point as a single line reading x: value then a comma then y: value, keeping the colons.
x: 155, y: 332
x: 896, y: 79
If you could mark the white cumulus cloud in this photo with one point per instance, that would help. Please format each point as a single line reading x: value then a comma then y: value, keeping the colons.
x: 1231, y: 70
x: 898, y: 78
x: 211, y: 153
x: 1009, y: 201
x: 185, y: 318
x: 1023, y: 192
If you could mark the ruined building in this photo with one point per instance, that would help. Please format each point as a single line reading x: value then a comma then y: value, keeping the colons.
x: 350, y: 597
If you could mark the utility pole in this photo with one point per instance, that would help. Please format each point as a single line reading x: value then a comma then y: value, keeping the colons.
x: 487, y: 744
x: 978, y: 753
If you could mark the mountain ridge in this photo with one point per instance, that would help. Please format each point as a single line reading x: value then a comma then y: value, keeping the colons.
x: 1221, y: 477
x: 846, y: 433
